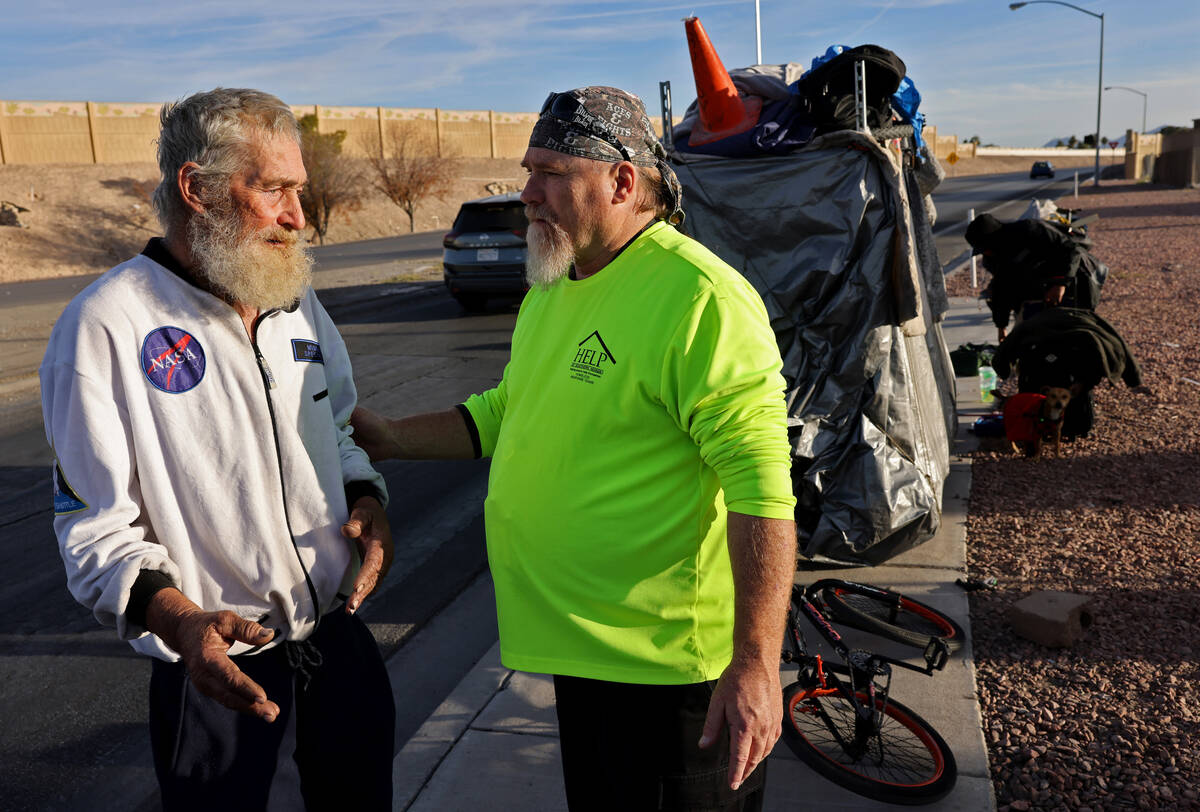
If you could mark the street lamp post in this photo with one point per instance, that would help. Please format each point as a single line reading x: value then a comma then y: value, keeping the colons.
x: 1140, y: 93
x: 757, y: 34
x: 1099, y: 82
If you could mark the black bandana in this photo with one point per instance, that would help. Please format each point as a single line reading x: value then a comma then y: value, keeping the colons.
x: 606, y: 124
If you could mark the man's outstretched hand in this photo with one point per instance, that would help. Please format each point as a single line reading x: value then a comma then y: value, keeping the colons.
x: 368, y: 528
x: 203, y: 640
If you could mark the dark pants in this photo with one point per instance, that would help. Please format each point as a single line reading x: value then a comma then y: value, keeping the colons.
x: 330, y: 747
x: 634, y: 748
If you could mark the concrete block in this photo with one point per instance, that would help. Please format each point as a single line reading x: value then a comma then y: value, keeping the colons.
x: 1055, y: 619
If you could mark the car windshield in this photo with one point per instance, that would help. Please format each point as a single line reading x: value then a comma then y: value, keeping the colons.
x: 491, y: 218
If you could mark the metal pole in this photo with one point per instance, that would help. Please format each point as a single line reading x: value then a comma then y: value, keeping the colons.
x: 974, y: 271
x: 1145, y: 98
x: 664, y: 100
x: 757, y: 34
x: 1100, y: 82
x: 1099, y: 97
x: 1077, y: 183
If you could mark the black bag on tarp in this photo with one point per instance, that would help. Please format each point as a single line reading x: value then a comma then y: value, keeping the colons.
x: 829, y: 88
x: 1089, y: 279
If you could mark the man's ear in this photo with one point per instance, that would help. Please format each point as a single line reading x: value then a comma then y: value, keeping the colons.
x: 188, y: 183
x: 625, y: 182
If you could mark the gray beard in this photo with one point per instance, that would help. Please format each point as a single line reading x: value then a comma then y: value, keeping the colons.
x: 241, y: 267
x: 549, y: 254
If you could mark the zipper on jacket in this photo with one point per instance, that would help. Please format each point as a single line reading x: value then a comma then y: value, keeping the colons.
x: 268, y: 380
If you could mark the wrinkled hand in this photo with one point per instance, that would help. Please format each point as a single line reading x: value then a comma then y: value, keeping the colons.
x: 372, y: 434
x: 369, y: 529
x: 747, y: 699
x: 203, y: 640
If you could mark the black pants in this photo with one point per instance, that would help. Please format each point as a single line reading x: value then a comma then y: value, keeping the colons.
x: 634, y: 748
x: 329, y: 748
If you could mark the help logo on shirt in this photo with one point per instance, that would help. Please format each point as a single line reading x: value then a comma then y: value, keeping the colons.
x: 172, y: 359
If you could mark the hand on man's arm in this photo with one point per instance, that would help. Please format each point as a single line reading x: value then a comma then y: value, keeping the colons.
x: 748, y: 697
x: 431, y: 436
x: 203, y: 639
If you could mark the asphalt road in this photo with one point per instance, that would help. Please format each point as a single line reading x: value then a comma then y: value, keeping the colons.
x: 72, y: 697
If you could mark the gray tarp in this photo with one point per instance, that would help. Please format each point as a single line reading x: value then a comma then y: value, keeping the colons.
x: 848, y: 272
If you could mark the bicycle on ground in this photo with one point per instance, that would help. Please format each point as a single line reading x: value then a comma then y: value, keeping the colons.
x: 841, y: 719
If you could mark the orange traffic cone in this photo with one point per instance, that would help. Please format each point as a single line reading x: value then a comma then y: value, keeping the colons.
x: 722, y: 111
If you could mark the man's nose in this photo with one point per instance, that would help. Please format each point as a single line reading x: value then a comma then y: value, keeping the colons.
x: 292, y: 213
x: 531, y: 194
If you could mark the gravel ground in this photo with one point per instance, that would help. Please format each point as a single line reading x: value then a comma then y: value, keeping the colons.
x: 1114, y: 721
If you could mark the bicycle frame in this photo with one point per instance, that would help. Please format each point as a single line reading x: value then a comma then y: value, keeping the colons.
x: 868, y: 715
x: 935, y: 654
x: 866, y: 670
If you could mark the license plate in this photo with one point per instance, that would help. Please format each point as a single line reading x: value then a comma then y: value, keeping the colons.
x: 487, y: 254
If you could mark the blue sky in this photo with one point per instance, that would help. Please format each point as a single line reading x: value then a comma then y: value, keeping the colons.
x: 1016, y: 78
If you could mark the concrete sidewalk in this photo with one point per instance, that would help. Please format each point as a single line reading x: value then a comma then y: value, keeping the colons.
x: 493, y: 743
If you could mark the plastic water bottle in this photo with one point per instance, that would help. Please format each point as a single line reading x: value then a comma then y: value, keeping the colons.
x: 987, y: 382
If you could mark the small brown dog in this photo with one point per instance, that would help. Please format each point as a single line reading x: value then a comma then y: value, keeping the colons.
x: 1031, y: 420
x: 1054, y: 408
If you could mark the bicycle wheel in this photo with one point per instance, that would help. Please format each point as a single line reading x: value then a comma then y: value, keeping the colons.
x: 905, y: 762
x: 889, y: 614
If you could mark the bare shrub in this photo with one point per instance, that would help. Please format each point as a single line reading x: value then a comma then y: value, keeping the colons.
x: 408, y: 168
x: 334, y: 180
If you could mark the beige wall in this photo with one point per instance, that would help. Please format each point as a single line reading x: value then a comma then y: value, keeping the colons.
x: 943, y: 146
x: 1172, y: 159
x: 43, y: 132
x: 33, y: 132
x: 36, y: 132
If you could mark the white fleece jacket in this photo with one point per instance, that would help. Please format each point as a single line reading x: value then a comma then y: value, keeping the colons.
x: 178, y: 451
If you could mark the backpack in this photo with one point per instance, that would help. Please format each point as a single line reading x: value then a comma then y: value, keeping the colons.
x: 829, y: 88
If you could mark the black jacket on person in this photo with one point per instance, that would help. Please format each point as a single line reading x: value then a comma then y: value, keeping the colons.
x: 1062, y: 346
x: 1025, y: 258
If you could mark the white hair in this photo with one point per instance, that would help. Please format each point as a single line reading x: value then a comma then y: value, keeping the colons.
x: 214, y: 130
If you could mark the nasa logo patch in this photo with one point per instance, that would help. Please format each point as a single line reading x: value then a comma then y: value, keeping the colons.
x: 172, y: 359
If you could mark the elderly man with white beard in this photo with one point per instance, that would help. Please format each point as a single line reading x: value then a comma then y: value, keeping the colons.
x: 209, y: 502
x: 639, y: 508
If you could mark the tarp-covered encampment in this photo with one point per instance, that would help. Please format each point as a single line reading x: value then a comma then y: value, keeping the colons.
x: 836, y: 238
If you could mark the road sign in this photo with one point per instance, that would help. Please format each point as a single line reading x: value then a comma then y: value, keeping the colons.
x: 952, y: 158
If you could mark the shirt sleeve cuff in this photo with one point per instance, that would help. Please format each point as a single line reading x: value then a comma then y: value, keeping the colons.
x: 148, y: 583
x: 472, y: 429
x: 357, y: 490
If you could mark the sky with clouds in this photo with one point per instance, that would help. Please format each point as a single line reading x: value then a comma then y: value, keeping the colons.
x: 1016, y: 78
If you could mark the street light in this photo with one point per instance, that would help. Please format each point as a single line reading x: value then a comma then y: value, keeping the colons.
x: 1140, y: 93
x: 1099, y: 83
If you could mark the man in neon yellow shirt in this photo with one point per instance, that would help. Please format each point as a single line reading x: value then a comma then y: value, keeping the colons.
x: 639, y: 509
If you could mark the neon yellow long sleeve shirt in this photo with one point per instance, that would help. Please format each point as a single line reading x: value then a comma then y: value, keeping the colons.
x: 639, y: 404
